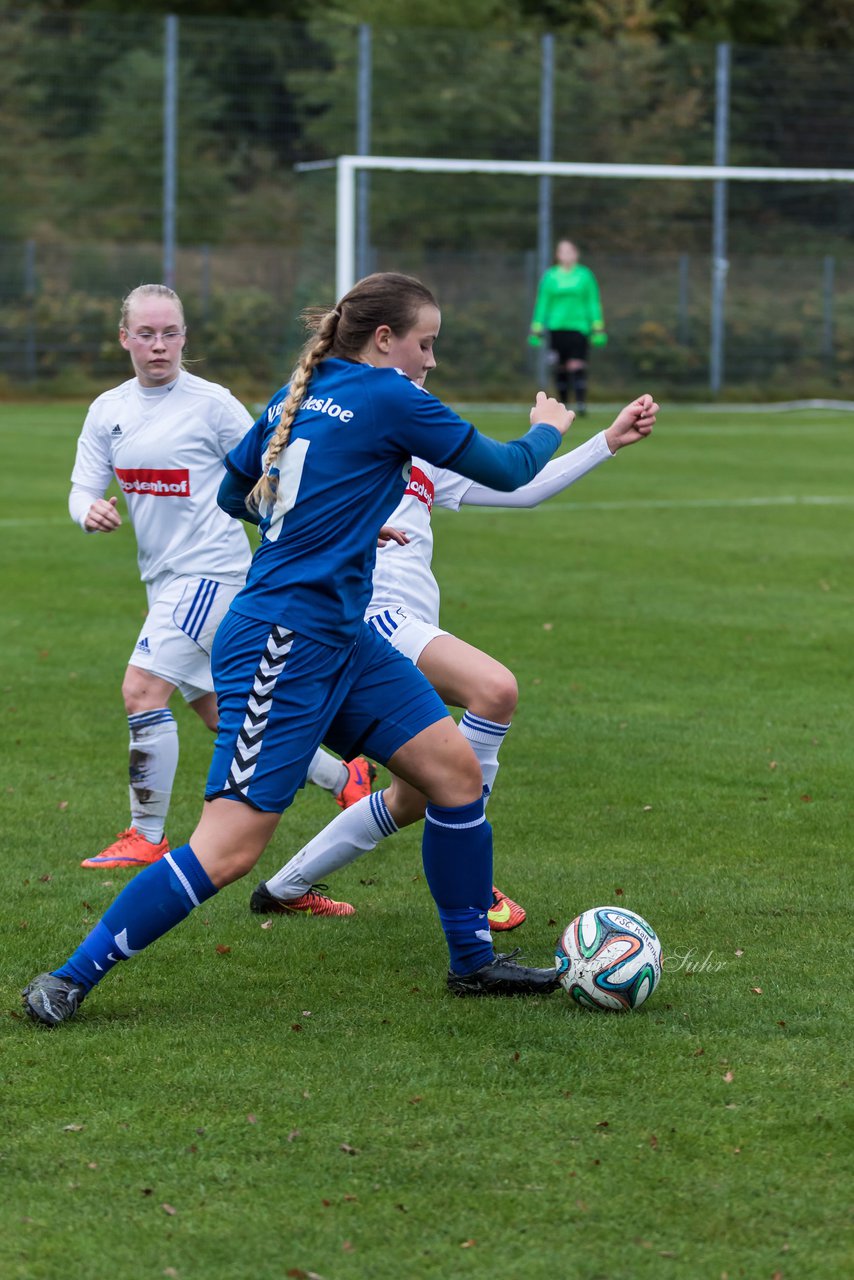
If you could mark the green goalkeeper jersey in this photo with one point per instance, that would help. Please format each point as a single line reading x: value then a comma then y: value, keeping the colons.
x: 568, y: 299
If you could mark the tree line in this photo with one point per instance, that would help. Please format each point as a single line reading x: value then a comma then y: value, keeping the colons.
x: 81, y: 120
x: 796, y: 24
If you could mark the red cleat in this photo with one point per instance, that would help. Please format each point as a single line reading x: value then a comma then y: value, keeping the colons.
x: 504, y: 912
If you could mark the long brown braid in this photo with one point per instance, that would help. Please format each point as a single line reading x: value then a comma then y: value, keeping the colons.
x: 312, y: 353
x: 385, y: 298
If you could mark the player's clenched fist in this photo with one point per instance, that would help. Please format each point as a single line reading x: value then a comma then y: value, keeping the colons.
x: 102, y: 516
x: 633, y: 423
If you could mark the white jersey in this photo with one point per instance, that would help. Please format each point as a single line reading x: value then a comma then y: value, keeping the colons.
x: 403, y: 576
x: 165, y: 446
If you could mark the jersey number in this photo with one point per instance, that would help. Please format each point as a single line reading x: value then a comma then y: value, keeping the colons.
x: 290, y: 478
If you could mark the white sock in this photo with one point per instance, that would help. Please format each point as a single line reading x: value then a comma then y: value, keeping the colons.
x: 328, y: 772
x: 153, y: 762
x: 485, y: 737
x: 355, y: 831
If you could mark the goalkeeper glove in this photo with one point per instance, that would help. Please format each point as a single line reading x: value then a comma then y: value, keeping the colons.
x: 599, y: 339
x: 535, y: 339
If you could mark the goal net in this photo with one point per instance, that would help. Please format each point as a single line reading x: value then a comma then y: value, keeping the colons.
x: 782, y: 324
x: 348, y: 166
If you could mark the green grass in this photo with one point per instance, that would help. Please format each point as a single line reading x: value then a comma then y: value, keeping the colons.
x: 307, y: 1099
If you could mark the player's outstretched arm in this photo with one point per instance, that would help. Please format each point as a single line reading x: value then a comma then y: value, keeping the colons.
x: 632, y: 424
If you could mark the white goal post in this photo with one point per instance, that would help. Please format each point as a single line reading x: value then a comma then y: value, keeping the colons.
x: 349, y: 165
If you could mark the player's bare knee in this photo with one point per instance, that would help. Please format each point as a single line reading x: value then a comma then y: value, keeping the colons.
x: 144, y: 691
x: 498, y: 696
x: 134, y: 693
x: 242, y: 862
x: 224, y: 868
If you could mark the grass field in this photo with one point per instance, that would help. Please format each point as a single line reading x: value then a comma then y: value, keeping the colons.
x: 306, y: 1099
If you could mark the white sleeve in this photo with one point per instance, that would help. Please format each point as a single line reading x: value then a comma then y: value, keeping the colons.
x: 555, y: 476
x: 93, y: 469
x: 234, y: 423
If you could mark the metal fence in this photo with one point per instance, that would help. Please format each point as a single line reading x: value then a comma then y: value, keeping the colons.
x: 163, y: 149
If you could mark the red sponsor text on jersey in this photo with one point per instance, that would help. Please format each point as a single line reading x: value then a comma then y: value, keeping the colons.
x: 157, y: 483
x: 421, y: 487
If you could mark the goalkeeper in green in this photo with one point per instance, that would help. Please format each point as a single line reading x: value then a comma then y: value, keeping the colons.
x: 569, y: 310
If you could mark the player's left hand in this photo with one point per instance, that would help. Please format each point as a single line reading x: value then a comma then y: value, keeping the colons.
x: 599, y: 339
x: 633, y: 423
x: 388, y: 533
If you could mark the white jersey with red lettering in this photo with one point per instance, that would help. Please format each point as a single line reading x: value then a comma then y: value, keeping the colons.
x: 165, y: 446
x: 403, y: 576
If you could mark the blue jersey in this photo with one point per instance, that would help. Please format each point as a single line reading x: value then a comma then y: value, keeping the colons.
x: 341, y: 475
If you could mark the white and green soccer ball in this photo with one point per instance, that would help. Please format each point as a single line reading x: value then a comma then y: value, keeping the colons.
x: 608, y: 958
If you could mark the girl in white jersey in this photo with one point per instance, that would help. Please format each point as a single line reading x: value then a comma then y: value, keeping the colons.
x: 404, y: 607
x: 164, y: 434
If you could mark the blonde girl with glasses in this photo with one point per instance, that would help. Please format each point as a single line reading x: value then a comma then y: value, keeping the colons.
x: 163, y: 435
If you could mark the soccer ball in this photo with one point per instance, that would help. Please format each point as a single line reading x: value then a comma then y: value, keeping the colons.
x: 608, y: 958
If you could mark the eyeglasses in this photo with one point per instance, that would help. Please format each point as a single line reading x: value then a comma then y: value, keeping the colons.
x: 147, y: 337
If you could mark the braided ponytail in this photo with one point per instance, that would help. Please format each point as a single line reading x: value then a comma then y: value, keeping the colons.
x: 385, y: 298
x: 316, y: 349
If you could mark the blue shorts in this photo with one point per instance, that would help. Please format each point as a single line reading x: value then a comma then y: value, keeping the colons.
x: 280, y: 695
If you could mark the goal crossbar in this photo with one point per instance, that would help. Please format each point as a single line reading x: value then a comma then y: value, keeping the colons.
x: 348, y: 166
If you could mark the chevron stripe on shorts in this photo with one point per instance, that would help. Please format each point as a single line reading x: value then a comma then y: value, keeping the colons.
x: 251, y: 733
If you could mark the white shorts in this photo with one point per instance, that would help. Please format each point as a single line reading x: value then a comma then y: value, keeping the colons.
x: 176, y: 638
x: 409, y: 635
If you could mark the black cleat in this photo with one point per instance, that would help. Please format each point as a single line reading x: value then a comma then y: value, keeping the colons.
x: 50, y: 1000
x: 263, y: 901
x: 504, y: 977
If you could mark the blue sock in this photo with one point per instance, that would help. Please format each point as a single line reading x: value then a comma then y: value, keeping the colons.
x: 456, y: 850
x: 158, y: 898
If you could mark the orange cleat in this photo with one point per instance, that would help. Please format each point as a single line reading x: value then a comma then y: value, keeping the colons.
x: 358, y: 785
x: 504, y: 912
x: 129, y: 849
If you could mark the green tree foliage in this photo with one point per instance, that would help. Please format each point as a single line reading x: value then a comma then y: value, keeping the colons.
x: 81, y: 143
x: 797, y: 24
x: 123, y: 154
x: 464, y: 94
x: 81, y: 105
x: 22, y: 142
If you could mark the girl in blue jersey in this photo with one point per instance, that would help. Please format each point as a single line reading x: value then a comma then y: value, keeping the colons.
x: 294, y: 664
